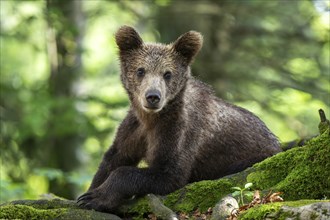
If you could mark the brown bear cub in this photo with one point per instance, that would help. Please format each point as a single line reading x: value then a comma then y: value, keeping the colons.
x: 175, y: 123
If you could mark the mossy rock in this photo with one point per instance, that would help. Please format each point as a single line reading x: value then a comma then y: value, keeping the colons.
x: 301, y: 209
x: 49, y: 209
x: 200, y: 195
x: 300, y: 173
x: 205, y: 194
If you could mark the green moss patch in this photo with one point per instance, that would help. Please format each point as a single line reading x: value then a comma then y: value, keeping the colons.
x: 137, y: 208
x: 49, y: 209
x: 300, y: 173
x: 260, y: 212
x: 28, y: 212
x: 201, y: 195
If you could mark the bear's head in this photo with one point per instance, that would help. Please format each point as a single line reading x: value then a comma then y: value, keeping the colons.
x: 153, y: 74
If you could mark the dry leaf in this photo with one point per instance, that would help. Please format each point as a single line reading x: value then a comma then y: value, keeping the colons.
x: 183, y: 216
x: 272, y: 197
x: 233, y: 215
x: 152, y: 217
x: 256, y: 198
x: 197, y: 213
x: 275, y: 197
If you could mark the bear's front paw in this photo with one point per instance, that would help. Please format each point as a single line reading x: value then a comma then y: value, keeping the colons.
x: 98, y: 200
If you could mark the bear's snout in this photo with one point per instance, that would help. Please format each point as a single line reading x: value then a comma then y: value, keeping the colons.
x: 153, y: 98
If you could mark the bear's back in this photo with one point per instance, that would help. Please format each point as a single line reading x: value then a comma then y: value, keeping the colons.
x: 224, y: 138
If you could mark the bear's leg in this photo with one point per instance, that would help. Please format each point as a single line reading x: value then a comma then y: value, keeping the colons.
x: 125, y: 182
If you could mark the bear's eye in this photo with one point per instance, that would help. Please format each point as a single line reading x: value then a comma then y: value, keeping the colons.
x: 167, y: 75
x: 140, y: 72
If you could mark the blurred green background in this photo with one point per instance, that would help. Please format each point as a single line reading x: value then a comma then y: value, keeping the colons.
x: 61, y: 97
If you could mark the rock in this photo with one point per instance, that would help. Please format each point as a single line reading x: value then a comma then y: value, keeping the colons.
x: 224, y: 208
x: 289, y: 210
x: 316, y: 211
x: 159, y: 209
x: 300, y: 173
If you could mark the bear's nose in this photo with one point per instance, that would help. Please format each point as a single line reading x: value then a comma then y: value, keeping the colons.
x: 153, y: 97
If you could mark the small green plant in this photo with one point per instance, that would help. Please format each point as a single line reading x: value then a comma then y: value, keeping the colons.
x: 240, y: 193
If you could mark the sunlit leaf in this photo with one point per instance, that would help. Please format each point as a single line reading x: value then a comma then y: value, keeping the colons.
x: 236, y: 188
x: 236, y: 193
x: 248, y: 185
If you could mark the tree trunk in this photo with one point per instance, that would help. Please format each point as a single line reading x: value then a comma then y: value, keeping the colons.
x: 65, y: 31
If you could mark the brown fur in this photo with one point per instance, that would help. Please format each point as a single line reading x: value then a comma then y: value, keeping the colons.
x: 186, y: 135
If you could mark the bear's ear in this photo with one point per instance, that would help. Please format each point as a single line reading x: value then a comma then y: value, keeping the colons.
x: 127, y: 38
x: 188, y: 45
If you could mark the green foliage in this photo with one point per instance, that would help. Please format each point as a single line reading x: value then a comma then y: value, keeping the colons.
x: 49, y: 173
x: 10, y: 190
x: 28, y: 120
x: 240, y: 193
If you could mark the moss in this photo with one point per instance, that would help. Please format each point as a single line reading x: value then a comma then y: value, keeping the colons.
x: 28, y: 212
x: 201, y: 195
x: 301, y: 173
x: 204, y: 194
x: 49, y: 209
x: 260, y: 212
x: 47, y: 204
x: 138, y: 209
